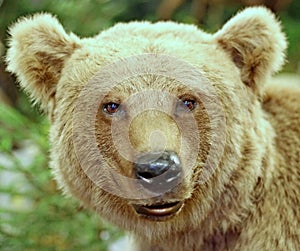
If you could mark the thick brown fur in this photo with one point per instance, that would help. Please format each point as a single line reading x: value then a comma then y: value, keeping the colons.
x: 251, y: 201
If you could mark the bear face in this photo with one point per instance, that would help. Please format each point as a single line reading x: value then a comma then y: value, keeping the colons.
x: 158, y: 127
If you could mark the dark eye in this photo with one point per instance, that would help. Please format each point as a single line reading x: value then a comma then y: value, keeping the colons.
x: 111, y: 108
x: 190, y: 104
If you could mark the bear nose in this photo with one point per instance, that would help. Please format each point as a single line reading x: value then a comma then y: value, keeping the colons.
x: 158, y: 171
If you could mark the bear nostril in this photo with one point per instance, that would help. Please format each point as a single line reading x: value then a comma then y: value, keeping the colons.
x: 158, y: 171
x: 145, y: 175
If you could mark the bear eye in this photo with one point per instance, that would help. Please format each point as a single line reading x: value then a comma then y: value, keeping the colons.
x: 111, y: 108
x: 185, y: 105
x: 190, y: 104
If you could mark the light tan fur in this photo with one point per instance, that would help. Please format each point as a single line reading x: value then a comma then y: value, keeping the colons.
x: 251, y: 202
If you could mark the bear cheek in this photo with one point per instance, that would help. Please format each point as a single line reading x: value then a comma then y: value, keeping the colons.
x: 112, y: 144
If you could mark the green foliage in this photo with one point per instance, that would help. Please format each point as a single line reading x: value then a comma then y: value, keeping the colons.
x: 34, y: 215
x: 85, y: 18
x: 291, y: 28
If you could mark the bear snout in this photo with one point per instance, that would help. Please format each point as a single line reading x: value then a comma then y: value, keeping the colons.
x: 159, y: 172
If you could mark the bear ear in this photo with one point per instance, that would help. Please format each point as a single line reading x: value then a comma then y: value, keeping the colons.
x: 38, y: 50
x: 256, y: 44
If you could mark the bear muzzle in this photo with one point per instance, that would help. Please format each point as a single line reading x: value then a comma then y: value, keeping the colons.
x: 159, y: 172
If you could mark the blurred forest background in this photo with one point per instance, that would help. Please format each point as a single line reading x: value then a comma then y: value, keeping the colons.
x: 33, y: 213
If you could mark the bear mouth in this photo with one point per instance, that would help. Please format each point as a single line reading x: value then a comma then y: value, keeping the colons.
x: 159, y: 211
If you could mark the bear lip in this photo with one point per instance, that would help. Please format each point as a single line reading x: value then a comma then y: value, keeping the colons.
x: 158, y: 211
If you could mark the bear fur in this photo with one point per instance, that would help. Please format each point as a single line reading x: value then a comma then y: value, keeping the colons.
x: 252, y: 199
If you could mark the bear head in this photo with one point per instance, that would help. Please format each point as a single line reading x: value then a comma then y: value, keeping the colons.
x: 151, y: 123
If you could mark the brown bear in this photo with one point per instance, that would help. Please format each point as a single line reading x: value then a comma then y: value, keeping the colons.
x: 173, y: 134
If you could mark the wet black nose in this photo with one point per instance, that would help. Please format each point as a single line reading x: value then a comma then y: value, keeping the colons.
x: 158, y: 171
